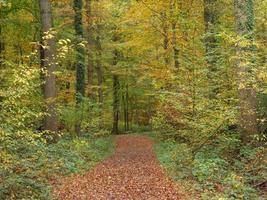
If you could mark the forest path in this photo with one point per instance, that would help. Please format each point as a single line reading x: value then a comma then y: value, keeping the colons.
x: 132, y: 173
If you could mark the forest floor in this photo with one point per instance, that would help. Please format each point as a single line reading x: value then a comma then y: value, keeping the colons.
x: 131, y: 173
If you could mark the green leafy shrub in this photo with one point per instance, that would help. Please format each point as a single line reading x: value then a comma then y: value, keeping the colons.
x: 175, y: 157
x: 88, y: 115
x: 26, y: 174
x: 27, y: 162
x: 218, y: 171
x: 236, y: 188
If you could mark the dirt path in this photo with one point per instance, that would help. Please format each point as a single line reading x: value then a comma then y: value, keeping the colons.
x: 132, y: 173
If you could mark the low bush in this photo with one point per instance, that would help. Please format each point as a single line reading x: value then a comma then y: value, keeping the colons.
x: 25, y: 175
x: 216, y: 171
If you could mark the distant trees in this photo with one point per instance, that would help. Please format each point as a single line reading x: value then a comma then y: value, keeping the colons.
x: 244, y: 19
x: 48, y: 65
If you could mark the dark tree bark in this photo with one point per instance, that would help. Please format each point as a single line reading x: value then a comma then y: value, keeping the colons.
x: 244, y: 17
x: 80, y: 59
x: 90, y: 41
x: 127, y: 107
x: 116, y: 104
x: 116, y: 96
x: 99, y: 72
x: 125, y: 101
x: 48, y: 64
x: 80, y: 52
x: 174, y: 40
x: 2, y: 46
x: 99, y: 69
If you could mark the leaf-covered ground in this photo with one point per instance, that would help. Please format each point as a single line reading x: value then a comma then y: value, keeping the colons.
x: 132, y: 173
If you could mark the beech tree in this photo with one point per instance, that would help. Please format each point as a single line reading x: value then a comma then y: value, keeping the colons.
x: 48, y: 65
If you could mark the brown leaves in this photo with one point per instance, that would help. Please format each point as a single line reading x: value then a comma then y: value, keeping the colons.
x: 132, y: 173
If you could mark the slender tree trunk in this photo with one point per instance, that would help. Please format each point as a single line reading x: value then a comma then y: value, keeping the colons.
x: 127, y: 107
x: 125, y: 99
x: 99, y: 71
x: 124, y: 107
x: 116, y: 96
x: 48, y: 64
x: 116, y: 104
x: 80, y: 59
x: 2, y: 46
x: 90, y: 41
x: 244, y: 17
x: 174, y: 40
x: 175, y: 48
x: 165, y: 42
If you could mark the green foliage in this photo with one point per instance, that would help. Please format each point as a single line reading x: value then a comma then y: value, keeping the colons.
x: 225, y: 169
x: 177, y: 158
x: 163, y: 129
x: 21, y: 101
x: 236, y: 188
x: 207, y: 168
x: 26, y: 174
x: 27, y: 162
x: 87, y: 114
x: 191, y: 98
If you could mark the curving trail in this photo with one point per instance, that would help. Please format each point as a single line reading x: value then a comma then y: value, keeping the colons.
x: 132, y: 173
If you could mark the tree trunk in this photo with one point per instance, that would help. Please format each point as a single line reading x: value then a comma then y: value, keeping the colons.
x: 125, y: 99
x: 99, y: 72
x: 127, y: 107
x: 116, y: 97
x: 174, y: 40
x: 90, y: 41
x: 80, y: 59
x: 165, y: 41
x: 116, y: 104
x: 124, y: 107
x: 2, y: 46
x: 48, y: 64
x: 244, y: 17
x: 174, y: 46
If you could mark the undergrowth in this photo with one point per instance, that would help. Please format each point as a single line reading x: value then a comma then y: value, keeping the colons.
x: 216, y: 172
x: 29, y: 175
